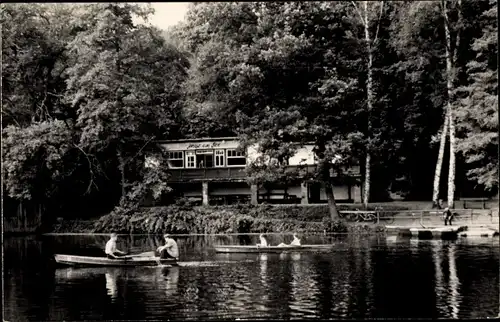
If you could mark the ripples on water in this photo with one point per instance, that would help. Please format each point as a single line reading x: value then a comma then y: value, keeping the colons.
x: 363, y: 277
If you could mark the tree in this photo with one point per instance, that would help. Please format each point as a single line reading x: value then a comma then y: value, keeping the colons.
x: 370, y: 14
x: 282, y: 74
x: 33, y: 61
x: 26, y: 178
x: 80, y: 81
x: 477, y: 110
x: 452, y: 23
x: 41, y: 162
x: 123, y: 84
x: 451, y: 50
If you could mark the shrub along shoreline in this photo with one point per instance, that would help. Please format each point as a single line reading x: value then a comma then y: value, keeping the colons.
x: 188, y: 219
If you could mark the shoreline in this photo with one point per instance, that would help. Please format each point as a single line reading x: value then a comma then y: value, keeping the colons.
x: 244, y: 219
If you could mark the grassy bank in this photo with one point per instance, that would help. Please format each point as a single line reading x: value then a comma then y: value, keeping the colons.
x: 186, y: 219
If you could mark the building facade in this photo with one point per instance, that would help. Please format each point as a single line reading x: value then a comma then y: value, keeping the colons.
x: 212, y: 170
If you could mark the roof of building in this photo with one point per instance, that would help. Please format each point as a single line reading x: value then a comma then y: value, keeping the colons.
x: 198, y: 140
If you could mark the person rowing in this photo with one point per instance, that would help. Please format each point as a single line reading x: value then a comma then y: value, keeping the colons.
x: 263, y: 241
x: 170, y: 250
x: 111, y: 251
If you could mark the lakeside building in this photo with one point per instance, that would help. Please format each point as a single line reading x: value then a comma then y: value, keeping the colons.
x: 212, y: 170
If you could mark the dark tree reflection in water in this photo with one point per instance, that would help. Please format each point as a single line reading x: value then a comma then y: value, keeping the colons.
x: 362, y: 277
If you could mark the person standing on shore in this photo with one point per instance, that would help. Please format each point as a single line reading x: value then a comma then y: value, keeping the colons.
x: 448, y: 216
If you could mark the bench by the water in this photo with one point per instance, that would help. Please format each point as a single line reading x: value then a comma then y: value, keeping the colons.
x: 482, y: 200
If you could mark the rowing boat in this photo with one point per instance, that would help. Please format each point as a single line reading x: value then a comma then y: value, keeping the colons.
x: 75, y: 260
x: 268, y: 249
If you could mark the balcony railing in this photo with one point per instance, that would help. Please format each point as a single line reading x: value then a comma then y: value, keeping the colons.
x: 207, y: 173
x: 234, y: 173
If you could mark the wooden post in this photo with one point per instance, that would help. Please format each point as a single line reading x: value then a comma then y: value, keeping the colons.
x: 304, y: 189
x: 204, y: 192
x: 254, y: 194
x: 357, y: 194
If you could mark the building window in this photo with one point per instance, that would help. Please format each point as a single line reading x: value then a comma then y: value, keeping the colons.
x: 235, y: 158
x: 175, y: 159
x: 219, y: 158
x: 190, y: 159
x: 205, y: 158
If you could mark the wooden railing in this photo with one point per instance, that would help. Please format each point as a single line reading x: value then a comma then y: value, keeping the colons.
x: 422, y: 217
x: 236, y: 173
x: 469, y: 201
x: 207, y: 173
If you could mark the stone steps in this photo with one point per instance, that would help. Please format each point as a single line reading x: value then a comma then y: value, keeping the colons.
x: 441, y: 232
x: 436, y: 232
x: 479, y: 232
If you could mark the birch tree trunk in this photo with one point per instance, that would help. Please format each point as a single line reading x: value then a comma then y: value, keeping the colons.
x: 451, y: 173
x: 439, y: 164
x: 369, y: 91
x: 451, y: 121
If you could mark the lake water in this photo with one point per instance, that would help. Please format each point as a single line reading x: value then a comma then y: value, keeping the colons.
x: 362, y: 277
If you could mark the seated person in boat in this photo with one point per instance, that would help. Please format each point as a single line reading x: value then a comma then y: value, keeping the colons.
x: 170, y: 250
x: 295, y: 242
x: 111, y: 250
x: 263, y: 241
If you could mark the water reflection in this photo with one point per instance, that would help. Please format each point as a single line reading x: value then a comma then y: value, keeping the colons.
x: 304, y: 288
x: 340, y: 285
x: 112, y: 285
x: 263, y: 269
x: 454, y: 300
x: 447, y: 293
x: 361, y: 278
x: 391, y: 239
x: 171, y: 275
x: 414, y: 246
x: 438, y: 279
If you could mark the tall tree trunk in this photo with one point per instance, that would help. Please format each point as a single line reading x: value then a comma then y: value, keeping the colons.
x: 332, y: 205
x: 324, y: 167
x: 366, y: 190
x: 439, y: 164
x: 369, y: 91
x: 121, y: 167
x: 451, y: 121
x: 451, y: 172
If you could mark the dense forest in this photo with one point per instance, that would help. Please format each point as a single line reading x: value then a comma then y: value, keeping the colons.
x: 408, y: 89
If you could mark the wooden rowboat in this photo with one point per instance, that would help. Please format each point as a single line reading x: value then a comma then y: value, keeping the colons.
x: 75, y: 260
x: 269, y: 249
